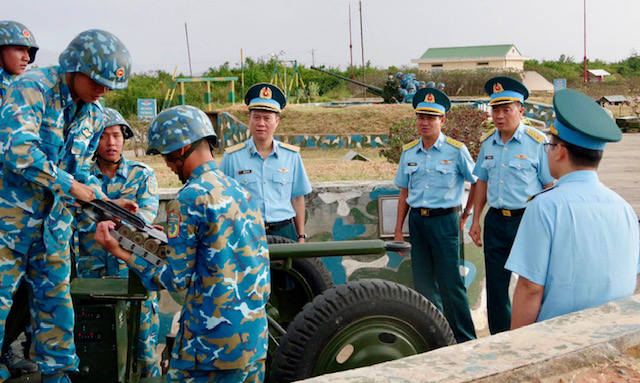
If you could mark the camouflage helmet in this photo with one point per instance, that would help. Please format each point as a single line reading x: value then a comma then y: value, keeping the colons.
x: 113, y: 117
x: 431, y: 84
x: 440, y: 85
x: 177, y: 127
x: 14, y: 33
x: 101, y: 56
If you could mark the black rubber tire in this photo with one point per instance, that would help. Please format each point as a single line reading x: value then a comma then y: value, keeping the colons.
x: 297, y: 286
x: 317, y: 331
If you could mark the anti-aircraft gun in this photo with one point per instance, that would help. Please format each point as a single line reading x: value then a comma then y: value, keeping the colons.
x: 390, y: 93
x: 314, y: 327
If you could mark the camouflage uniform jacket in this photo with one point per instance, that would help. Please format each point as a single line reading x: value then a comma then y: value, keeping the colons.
x: 219, y: 255
x: 5, y: 81
x: 45, y: 143
x: 134, y: 181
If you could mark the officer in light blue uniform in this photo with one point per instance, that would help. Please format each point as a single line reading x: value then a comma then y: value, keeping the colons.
x: 577, y: 245
x: 135, y: 181
x: 511, y: 167
x: 431, y: 179
x: 270, y: 170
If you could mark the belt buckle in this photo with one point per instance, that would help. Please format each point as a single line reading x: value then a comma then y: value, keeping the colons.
x: 424, y: 212
x: 506, y: 213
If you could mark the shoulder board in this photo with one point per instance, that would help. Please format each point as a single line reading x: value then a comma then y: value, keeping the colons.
x: 142, y: 165
x: 235, y: 148
x: 537, y: 194
x: 410, y: 145
x: 453, y: 142
x: 535, y: 135
x: 293, y: 148
x: 487, y: 135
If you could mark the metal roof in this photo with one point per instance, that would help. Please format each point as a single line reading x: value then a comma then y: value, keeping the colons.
x: 473, y: 51
x: 598, y: 72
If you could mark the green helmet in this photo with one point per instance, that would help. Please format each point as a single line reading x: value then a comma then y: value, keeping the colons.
x: 113, y: 117
x: 14, y: 33
x: 177, y: 127
x: 101, y: 56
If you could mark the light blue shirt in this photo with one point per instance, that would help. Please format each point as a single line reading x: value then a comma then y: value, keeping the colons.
x: 272, y: 182
x: 435, y: 177
x: 514, y: 171
x: 580, y: 241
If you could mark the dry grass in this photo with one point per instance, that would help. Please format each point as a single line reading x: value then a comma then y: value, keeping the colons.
x: 321, y: 166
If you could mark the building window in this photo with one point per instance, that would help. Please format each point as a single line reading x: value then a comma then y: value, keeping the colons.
x: 483, y: 64
x: 436, y: 65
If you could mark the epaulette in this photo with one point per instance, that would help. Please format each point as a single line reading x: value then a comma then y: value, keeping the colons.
x: 535, y: 135
x: 293, y: 148
x: 235, y: 148
x: 410, y: 145
x: 453, y: 142
x: 487, y: 135
x: 537, y: 194
x: 141, y: 165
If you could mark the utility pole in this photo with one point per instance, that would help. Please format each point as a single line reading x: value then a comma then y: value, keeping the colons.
x: 586, y: 78
x: 362, y: 43
x: 188, y: 50
x: 350, y: 42
x: 313, y: 57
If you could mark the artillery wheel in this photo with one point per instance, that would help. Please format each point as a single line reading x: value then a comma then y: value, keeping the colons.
x: 292, y: 288
x: 358, y: 324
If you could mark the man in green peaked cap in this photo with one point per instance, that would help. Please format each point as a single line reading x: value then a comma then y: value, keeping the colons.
x: 577, y: 245
x: 431, y: 177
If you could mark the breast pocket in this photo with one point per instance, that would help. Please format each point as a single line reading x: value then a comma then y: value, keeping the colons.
x: 283, y: 183
x: 414, y: 176
x: 521, y: 169
x: 246, y: 180
x: 444, y: 176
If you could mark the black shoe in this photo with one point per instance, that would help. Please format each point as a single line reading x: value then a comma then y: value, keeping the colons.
x: 17, y: 367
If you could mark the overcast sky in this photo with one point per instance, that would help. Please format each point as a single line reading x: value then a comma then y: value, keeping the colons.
x: 395, y: 31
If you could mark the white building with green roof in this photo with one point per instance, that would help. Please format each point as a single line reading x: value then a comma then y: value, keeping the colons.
x: 505, y: 57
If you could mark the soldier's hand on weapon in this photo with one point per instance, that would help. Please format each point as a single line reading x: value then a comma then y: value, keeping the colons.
x: 127, y: 204
x: 107, y: 241
x: 82, y: 192
x: 475, y: 232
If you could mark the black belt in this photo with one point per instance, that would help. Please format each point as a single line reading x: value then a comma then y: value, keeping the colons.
x: 276, y: 225
x: 507, y: 212
x: 436, y: 212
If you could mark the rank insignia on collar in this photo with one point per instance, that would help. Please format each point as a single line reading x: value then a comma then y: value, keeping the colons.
x: 521, y: 156
x: 86, y: 132
x: 283, y: 170
x: 265, y: 93
x: 497, y: 88
x: 445, y: 162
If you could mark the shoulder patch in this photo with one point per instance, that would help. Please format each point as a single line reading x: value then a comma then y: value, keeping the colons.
x: 235, y: 148
x: 453, y: 142
x: 535, y: 135
x: 537, y: 194
x: 410, y: 145
x: 487, y: 135
x: 293, y: 148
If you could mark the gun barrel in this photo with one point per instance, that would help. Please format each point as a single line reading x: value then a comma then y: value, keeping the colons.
x: 371, y: 88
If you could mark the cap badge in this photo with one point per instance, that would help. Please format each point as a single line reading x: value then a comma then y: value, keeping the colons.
x: 26, y: 33
x: 265, y: 93
x: 521, y: 156
x: 430, y: 99
x: 497, y: 88
x: 120, y: 72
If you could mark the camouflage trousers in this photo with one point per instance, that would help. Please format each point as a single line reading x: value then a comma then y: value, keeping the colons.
x: 47, y: 277
x: 253, y: 373
x: 149, y: 328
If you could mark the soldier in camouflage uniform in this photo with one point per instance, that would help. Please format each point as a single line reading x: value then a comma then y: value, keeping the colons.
x: 122, y: 178
x: 218, y: 254
x: 50, y: 127
x: 17, y: 49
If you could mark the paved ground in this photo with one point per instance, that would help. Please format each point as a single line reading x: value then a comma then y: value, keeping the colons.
x: 620, y: 168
